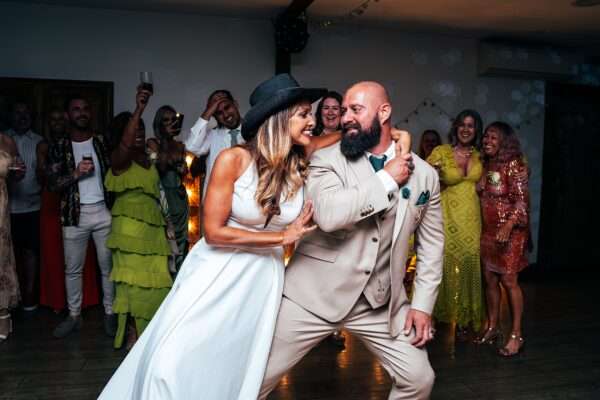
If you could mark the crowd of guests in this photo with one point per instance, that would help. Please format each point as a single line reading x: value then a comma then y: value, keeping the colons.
x: 126, y: 193
x: 485, y: 204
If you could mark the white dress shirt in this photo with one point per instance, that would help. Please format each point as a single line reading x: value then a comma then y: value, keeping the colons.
x: 203, y: 140
x: 386, y: 179
x: 25, y: 194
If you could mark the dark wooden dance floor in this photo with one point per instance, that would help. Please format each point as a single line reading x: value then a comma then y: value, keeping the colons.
x: 561, y: 358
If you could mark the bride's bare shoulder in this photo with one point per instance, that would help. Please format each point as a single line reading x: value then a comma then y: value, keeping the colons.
x: 233, y: 161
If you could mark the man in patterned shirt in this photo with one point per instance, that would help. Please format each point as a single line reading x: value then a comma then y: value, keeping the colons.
x: 78, y: 164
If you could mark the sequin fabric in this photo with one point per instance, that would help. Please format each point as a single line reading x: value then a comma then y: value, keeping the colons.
x: 504, y: 195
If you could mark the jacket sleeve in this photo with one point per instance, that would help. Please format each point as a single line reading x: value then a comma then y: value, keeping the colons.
x: 338, y: 206
x: 429, y: 246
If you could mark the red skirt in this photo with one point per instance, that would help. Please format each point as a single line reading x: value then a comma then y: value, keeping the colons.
x: 52, y: 260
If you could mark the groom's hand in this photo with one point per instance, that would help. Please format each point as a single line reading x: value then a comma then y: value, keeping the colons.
x: 422, y: 324
x: 401, y: 167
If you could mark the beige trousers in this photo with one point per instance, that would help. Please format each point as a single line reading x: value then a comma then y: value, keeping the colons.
x: 298, y: 331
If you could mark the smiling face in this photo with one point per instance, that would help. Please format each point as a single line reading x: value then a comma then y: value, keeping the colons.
x: 227, y: 114
x: 140, y: 136
x: 492, y: 140
x: 465, y: 131
x: 362, y: 114
x: 302, y: 123
x: 331, y: 114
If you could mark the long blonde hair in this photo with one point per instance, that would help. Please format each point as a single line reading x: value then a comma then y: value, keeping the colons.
x: 282, y: 166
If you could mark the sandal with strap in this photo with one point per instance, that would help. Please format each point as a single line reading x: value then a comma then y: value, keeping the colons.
x: 4, y: 333
x: 505, y: 352
x: 489, y: 336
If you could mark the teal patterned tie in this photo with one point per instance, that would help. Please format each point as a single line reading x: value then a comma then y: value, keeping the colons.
x: 377, y: 162
x: 234, y: 134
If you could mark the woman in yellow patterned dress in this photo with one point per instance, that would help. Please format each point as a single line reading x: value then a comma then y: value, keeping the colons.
x: 460, y: 299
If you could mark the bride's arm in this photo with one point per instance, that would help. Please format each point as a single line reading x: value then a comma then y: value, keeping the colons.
x: 319, y: 142
x: 217, y: 208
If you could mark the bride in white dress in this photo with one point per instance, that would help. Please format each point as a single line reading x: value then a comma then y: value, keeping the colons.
x: 210, y: 338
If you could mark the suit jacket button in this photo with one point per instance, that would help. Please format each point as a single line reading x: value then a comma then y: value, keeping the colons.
x: 367, y: 272
x: 375, y: 240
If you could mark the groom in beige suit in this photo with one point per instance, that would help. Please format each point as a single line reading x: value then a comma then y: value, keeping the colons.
x: 369, y: 198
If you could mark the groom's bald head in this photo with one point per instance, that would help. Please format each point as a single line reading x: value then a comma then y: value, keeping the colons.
x: 366, y: 116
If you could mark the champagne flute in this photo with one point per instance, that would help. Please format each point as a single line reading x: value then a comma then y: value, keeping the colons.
x: 146, y: 81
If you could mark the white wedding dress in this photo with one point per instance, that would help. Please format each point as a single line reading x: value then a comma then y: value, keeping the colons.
x: 211, y: 336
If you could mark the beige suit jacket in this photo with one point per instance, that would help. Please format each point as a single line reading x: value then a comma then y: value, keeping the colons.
x: 328, y: 271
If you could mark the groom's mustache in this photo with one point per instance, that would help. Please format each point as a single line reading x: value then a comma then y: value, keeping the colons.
x: 351, y: 125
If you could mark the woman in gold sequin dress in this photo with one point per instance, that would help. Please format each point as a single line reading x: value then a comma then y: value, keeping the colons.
x: 505, y: 209
x: 460, y: 299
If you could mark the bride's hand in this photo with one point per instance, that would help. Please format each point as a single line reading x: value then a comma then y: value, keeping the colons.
x: 403, y: 137
x: 301, y: 225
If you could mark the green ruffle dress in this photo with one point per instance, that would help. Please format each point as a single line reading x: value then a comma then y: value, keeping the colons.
x: 139, y: 247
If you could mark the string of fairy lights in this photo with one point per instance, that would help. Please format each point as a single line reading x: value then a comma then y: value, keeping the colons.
x: 426, y: 103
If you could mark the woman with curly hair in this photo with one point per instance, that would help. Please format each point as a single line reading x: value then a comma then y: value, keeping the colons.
x: 460, y: 299
x: 505, y: 210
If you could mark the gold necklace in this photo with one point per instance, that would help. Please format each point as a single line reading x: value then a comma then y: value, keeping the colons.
x: 464, y: 154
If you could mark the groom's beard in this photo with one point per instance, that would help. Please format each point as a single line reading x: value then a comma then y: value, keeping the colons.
x: 354, y: 145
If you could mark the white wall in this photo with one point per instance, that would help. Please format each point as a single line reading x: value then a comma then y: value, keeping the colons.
x: 191, y: 55
x: 418, y: 68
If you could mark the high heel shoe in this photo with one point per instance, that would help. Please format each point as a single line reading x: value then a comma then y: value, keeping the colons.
x: 4, y: 332
x: 504, y: 352
x: 489, y: 337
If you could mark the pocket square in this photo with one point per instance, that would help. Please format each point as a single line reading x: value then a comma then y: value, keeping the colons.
x: 423, y: 198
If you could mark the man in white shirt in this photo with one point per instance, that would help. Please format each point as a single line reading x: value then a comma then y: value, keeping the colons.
x: 204, y: 141
x: 25, y: 203
x: 78, y: 164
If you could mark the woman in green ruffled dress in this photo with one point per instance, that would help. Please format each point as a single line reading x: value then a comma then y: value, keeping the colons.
x: 138, y: 240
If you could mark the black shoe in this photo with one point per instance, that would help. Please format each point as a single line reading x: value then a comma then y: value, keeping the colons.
x: 110, y: 324
x: 69, y: 325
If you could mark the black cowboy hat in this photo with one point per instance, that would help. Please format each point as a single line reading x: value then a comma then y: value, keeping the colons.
x: 272, y: 96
